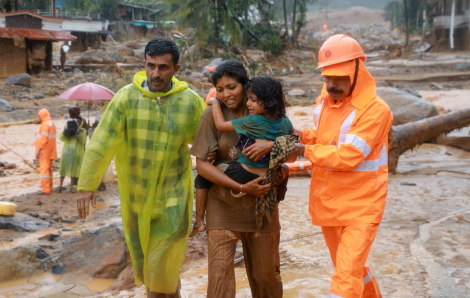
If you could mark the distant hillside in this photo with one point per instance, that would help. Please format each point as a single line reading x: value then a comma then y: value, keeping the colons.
x: 347, y: 17
x: 341, y: 4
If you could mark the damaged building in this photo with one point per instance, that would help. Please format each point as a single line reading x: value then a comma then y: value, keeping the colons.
x: 26, y: 42
x: 451, y: 23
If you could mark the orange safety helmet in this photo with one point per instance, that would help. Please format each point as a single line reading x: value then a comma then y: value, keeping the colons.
x: 339, y: 48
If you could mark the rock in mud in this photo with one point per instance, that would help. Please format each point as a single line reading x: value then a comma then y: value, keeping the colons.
x: 21, y: 222
x: 5, y: 106
x: 100, y: 254
x: 18, y: 262
x: 9, y: 166
x: 95, y: 57
x: 132, y: 60
x: 296, y: 92
x: 405, y: 106
x: 412, y: 92
x: 23, y: 79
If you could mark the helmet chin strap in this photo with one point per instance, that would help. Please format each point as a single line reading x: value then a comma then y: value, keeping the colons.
x: 355, y: 78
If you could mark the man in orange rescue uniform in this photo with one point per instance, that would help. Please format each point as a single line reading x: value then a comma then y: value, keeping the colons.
x: 212, y: 92
x: 46, y: 150
x: 348, y: 149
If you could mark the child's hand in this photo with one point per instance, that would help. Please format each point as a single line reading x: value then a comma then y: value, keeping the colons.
x: 211, y: 156
x: 211, y: 100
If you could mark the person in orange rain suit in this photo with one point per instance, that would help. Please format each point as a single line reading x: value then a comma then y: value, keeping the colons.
x: 212, y: 92
x: 348, y: 148
x: 46, y: 150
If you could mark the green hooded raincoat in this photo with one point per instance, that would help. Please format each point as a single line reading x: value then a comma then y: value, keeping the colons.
x: 149, y: 133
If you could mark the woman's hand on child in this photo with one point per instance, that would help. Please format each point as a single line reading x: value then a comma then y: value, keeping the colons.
x: 253, y: 188
x: 197, y: 230
x: 258, y: 149
x: 211, y: 156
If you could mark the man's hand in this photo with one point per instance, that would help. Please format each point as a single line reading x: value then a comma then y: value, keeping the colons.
x: 299, y: 150
x: 83, y: 203
x: 38, y: 153
x: 253, y: 188
x: 258, y: 149
x: 299, y: 133
x: 211, y: 156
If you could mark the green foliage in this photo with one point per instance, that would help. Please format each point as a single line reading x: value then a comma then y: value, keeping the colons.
x: 395, y: 14
x: 273, y: 45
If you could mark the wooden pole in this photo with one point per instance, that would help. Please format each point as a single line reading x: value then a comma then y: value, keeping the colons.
x: 407, y: 23
x: 24, y: 160
x: 452, y: 25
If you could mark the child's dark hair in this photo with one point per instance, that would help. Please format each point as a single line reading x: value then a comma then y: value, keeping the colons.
x: 160, y: 46
x: 268, y: 90
x: 233, y: 69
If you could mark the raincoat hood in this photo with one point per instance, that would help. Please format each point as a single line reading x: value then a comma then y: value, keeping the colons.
x: 178, y: 86
x: 365, y: 89
x: 44, y: 115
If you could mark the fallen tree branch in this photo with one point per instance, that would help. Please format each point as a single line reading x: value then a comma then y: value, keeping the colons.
x: 24, y: 160
x: 407, y: 136
x: 32, y: 121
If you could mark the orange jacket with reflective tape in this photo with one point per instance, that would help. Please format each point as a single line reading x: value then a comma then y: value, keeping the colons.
x: 348, y: 148
x: 46, y: 137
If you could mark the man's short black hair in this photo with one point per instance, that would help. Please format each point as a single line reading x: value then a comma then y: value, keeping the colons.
x: 160, y: 46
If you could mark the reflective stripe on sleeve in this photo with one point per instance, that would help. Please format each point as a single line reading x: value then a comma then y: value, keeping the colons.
x: 374, y: 165
x: 335, y: 296
x: 359, y: 143
x: 368, y: 278
x: 45, y: 177
x: 45, y: 133
x: 52, y: 137
x: 345, y: 128
x: 317, y: 114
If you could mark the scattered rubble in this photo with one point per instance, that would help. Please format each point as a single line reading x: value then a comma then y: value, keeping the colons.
x: 21, y: 261
x: 405, y: 106
x: 100, y: 253
x: 23, y: 79
x: 5, y: 106
x: 22, y: 223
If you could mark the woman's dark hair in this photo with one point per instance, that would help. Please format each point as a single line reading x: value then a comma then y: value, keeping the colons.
x: 160, y: 46
x: 230, y: 68
x: 268, y: 90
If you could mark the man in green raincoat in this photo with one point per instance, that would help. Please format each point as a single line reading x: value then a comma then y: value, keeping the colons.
x: 148, y: 126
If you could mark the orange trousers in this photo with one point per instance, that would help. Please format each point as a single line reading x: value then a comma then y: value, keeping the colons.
x: 45, y: 173
x: 349, y: 248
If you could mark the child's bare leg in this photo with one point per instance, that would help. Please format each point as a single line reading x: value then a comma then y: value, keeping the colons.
x: 201, y: 203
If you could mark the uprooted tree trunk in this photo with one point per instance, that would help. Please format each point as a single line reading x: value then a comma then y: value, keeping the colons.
x: 407, y: 136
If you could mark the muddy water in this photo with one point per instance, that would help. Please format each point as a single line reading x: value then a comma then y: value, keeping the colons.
x: 54, y: 286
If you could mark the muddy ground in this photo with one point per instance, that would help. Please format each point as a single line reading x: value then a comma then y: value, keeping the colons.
x: 421, y: 250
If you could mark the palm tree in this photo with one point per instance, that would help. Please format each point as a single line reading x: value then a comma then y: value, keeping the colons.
x: 209, y: 16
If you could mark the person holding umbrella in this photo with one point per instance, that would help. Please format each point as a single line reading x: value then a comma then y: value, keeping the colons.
x: 74, y: 138
x: 148, y: 126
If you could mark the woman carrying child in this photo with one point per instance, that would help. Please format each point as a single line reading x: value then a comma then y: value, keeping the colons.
x: 230, y: 218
